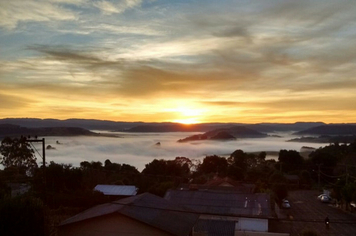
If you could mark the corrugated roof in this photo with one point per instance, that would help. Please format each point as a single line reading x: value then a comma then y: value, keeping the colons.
x: 215, y: 227
x: 146, y: 208
x: 244, y: 188
x: 116, y: 190
x: 232, y: 204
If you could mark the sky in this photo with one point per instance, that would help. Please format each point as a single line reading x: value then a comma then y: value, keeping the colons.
x: 179, y: 61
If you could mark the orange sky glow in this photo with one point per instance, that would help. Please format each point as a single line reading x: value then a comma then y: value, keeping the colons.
x: 179, y: 61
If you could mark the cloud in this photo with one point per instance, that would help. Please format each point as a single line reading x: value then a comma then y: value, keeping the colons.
x: 14, y: 12
x: 109, y: 8
x: 122, y: 29
x: 229, y: 57
x: 225, y: 103
x: 64, y: 54
x: 12, y: 102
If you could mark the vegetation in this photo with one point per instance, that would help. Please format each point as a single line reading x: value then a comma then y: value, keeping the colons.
x: 16, y: 153
x: 309, y: 232
x: 66, y: 186
x: 23, y: 215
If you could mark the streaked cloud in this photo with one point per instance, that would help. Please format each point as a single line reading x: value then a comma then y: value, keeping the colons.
x: 15, y: 12
x: 234, y: 61
x: 109, y: 8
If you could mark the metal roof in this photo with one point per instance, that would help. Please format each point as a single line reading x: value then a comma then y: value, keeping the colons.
x: 146, y: 208
x: 116, y: 190
x: 215, y: 227
x: 243, y: 188
x: 220, y: 203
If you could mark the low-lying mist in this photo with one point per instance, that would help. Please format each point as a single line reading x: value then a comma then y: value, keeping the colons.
x: 138, y: 149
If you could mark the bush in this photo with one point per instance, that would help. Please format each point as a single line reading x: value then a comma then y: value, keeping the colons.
x: 22, y: 216
x: 309, y: 232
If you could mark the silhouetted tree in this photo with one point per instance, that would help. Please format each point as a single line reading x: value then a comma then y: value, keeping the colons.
x: 290, y: 160
x: 17, y: 153
x: 22, y: 216
x: 309, y: 232
x: 213, y: 164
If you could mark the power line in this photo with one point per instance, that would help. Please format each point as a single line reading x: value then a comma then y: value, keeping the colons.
x: 36, y: 150
x: 339, y: 176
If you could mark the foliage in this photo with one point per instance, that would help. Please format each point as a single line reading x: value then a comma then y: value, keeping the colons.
x: 247, y: 166
x: 213, y: 164
x: 17, y: 152
x: 348, y: 192
x: 280, y: 191
x: 305, y: 178
x: 290, y: 160
x: 167, y: 168
x: 277, y: 178
x: 4, y: 189
x: 22, y: 216
x: 161, y: 175
x: 161, y: 188
x: 278, y: 185
x: 309, y: 232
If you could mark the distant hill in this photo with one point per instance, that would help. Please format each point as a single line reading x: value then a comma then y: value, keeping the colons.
x: 81, y: 123
x: 331, y: 129
x: 275, y: 127
x: 225, y: 134
x: 174, y: 127
x: 16, y: 130
x: 91, y: 124
x: 263, y: 127
x: 326, y: 139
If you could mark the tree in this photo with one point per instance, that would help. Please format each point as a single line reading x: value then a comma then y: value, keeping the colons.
x: 17, y: 153
x: 278, y: 185
x: 175, y: 167
x: 309, y: 232
x: 290, y: 160
x: 23, y: 215
x: 213, y: 164
x: 348, y: 193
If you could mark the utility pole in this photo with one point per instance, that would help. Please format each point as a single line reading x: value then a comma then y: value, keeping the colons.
x: 43, y: 162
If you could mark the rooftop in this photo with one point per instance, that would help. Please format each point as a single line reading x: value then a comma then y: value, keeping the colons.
x: 223, y: 203
x: 116, y: 190
x: 146, y: 208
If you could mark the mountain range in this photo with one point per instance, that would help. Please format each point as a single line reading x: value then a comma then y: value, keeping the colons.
x: 211, y: 131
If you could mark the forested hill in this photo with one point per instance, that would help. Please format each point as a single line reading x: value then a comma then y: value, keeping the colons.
x: 16, y: 130
x: 332, y: 129
x: 225, y: 134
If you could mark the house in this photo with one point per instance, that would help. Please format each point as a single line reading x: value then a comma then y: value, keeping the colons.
x: 116, y: 191
x: 144, y: 214
x: 226, y: 213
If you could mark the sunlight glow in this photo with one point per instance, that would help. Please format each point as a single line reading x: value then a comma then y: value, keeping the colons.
x: 188, y: 121
x: 187, y: 115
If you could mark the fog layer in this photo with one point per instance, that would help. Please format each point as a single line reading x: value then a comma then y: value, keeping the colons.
x: 138, y: 149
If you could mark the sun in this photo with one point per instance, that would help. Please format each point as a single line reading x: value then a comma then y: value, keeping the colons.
x: 187, y: 121
x: 187, y: 115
